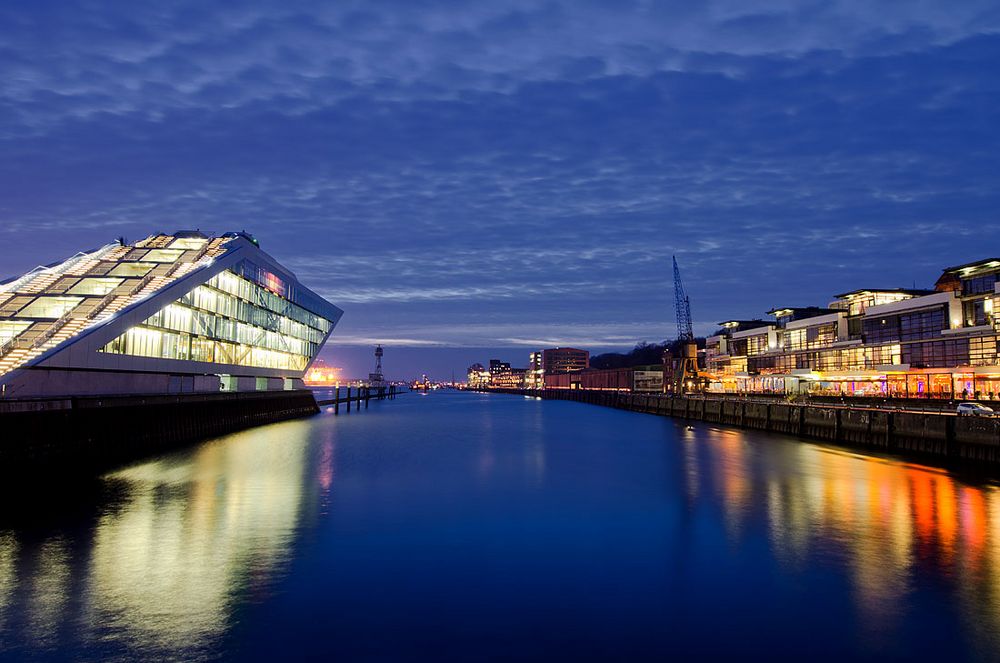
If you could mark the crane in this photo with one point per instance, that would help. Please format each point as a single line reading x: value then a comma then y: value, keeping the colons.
x: 685, y: 375
x: 682, y: 307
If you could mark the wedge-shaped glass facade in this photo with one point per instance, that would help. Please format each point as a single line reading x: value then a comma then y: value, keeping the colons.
x: 180, y: 312
x: 228, y: 320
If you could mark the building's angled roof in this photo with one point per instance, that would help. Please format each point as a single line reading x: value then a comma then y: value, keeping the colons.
x: 799, y: 310
x: 745, y: 324
x: 972, y: 266
x: 916, y: 292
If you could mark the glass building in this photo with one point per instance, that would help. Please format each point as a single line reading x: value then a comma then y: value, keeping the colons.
x: 174, y: 313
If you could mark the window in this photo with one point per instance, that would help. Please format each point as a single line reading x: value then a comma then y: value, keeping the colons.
x: 49, y: 307
x: 163, y: 255
x: 974, y: 313
x: 821, y: 336
x: 795, y: 339
x: 935, y: 354
x: 11, y: 328
x: 983, y: 351
x: 229, y: 320
x: 979, y: 285
x: 882, y: 355
x: 922, y: 324
x: 881, y: 329
x: 132, y: 269
x: 95, y: 286
x: 186, y: 243
x: 757, y: 345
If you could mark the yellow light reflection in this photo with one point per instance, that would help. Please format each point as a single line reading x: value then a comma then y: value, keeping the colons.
x: 8, y: 576
x: 50, y: 583
x: 194, y: 536
x: 882, y: 517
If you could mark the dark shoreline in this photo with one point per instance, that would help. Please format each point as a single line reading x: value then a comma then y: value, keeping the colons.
x: 82, y: 436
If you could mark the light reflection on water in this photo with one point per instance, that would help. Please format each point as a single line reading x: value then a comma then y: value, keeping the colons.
x: 888, y: 521
x: 174, y: 559
x: 164, y: 568
x: 8, y: 554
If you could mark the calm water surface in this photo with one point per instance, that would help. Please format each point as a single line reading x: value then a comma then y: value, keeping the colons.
x: 470, y: 527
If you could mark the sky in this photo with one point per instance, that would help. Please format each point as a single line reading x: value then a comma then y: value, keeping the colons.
x: 476, y: 180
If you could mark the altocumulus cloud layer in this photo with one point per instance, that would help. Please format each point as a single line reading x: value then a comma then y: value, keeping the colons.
x: 514, y: 173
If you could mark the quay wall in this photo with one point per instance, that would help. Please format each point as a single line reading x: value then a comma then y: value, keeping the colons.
x: 932, y: 435
x: 94, y: 433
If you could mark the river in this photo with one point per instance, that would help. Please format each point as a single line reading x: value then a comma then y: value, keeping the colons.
x: 457, y: 526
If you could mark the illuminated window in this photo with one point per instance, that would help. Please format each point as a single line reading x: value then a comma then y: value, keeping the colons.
x: 163, y: 255
x: 132, y: 269
x: 94, y: 286
x: 11, y: 328
x: 186, y: 243
x: 49, y: 307
x: 230, y: 320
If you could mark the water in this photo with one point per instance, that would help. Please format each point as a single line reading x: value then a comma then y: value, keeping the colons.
x: 471, y: 527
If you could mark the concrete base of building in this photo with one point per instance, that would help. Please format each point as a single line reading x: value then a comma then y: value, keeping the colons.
x: 88, y: 434
x: 57, y: 382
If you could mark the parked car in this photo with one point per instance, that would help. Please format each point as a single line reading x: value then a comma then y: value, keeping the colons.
x: 974, y: 410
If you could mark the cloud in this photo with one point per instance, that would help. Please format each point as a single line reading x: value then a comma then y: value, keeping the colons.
x: 507, y: 173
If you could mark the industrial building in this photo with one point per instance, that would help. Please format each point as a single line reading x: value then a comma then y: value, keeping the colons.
x: 638, y: 379
x: 173, y: 313
x: 904, y: 343
x: 558, y: 360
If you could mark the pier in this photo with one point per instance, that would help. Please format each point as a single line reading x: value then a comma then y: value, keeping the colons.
x: 360, y: 395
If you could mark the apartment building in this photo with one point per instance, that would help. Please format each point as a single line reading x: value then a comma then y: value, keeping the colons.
x: 872, y: 342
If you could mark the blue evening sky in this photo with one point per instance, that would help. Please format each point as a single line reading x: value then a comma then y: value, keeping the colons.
x: 479, y: 179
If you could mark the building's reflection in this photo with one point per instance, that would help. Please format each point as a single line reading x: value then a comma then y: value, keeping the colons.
x: 882, y: 519
x: 166, y: 566
x: 8, y: 555
x: 48, y: 587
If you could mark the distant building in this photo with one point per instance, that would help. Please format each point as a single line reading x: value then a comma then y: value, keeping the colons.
x: 560, y: 360
x: 513, y: 378
x: 535, y: 376
x: 181, y: 312
x: 477, y: 376
x: 497, y: 367
x: 501, y: 375
x: 894, y: 342
x: 647, y: 379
